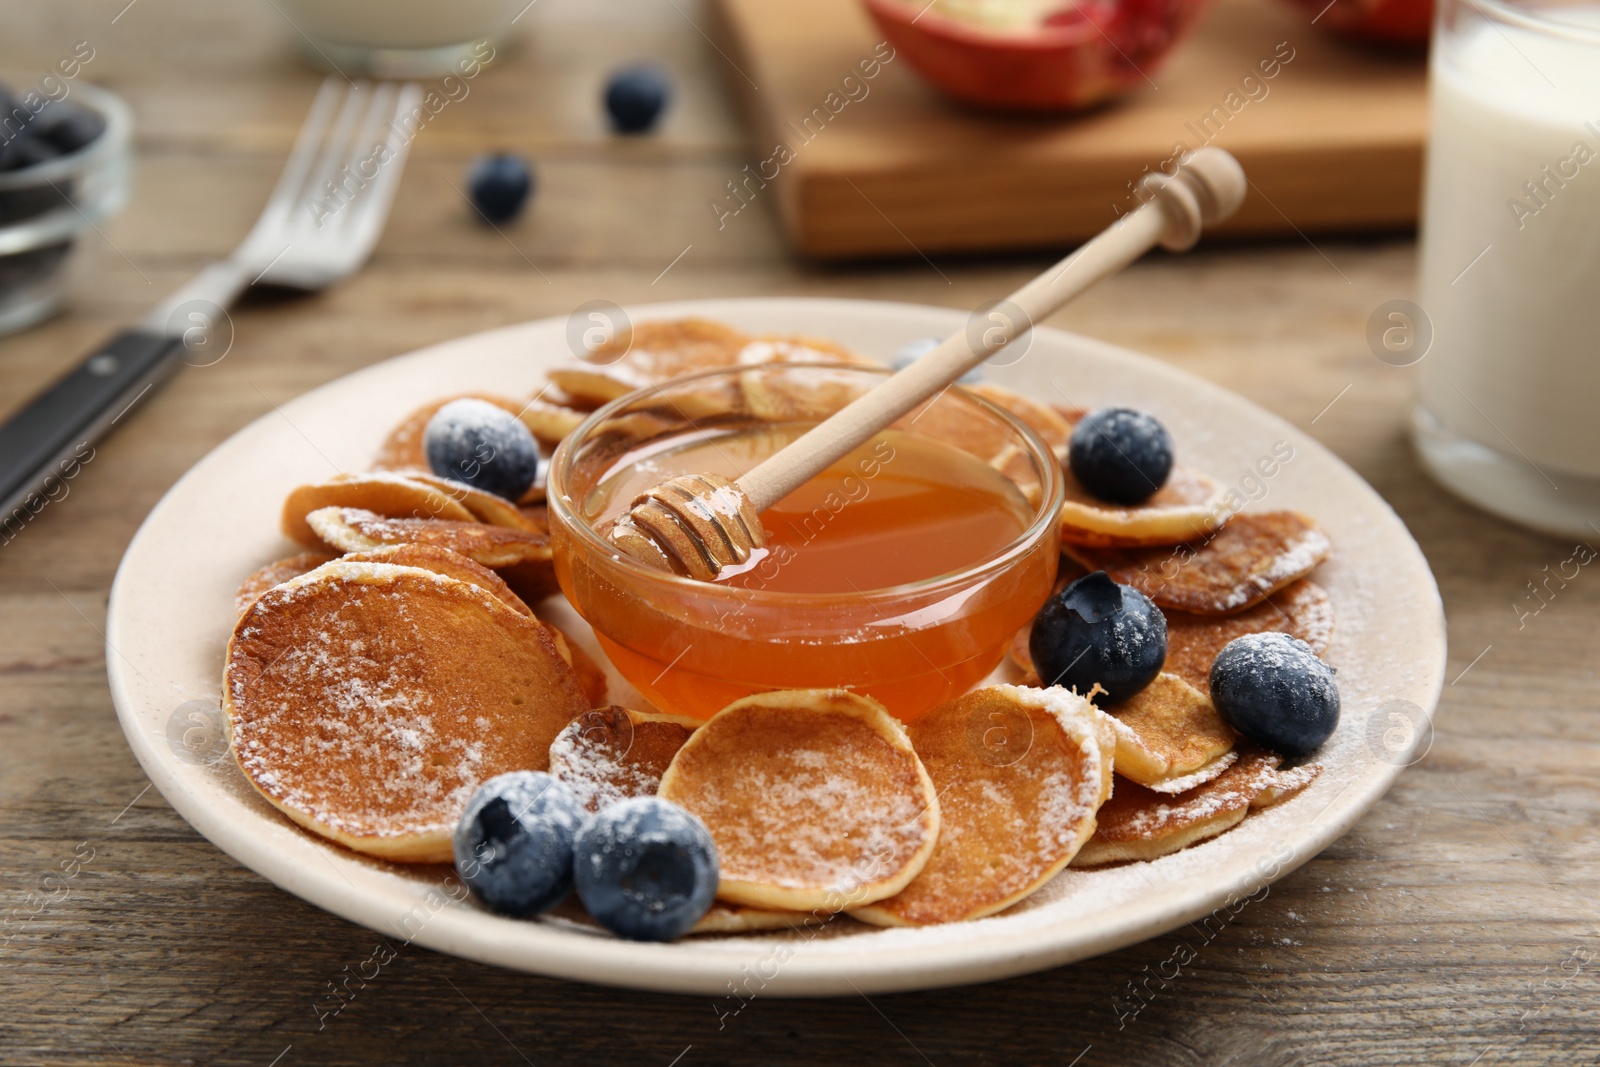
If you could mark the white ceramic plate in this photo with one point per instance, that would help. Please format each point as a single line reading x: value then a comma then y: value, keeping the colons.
x: 172, y: 610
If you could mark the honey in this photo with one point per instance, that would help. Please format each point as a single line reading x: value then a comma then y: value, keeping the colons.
x: 900, y: 509
x: 900, y: 573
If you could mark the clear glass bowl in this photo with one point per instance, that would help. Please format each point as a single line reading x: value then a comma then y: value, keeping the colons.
x: 693, y: 647
x: 44, y: 208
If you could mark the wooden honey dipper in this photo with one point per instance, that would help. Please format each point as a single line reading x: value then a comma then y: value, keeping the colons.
x: 699, y: 524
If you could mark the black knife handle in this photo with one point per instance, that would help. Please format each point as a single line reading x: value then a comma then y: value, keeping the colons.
x: 46, y: 442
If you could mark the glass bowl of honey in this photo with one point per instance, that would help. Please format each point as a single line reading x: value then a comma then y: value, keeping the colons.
x: 902, y: 572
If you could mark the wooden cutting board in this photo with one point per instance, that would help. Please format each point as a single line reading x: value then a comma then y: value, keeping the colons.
x: 1333, y: 144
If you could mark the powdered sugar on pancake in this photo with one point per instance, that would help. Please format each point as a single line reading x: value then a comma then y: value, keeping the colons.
x: 1198, y: 778
x: 813, y: 797
x: 356, y: 706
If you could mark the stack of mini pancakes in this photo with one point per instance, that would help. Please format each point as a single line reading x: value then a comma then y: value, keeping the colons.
x: 374, y: 680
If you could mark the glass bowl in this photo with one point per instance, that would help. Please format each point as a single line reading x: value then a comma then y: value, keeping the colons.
x: 44, y: 208
x: 693, y: 647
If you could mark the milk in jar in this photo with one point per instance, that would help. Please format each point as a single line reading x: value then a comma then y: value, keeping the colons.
x: 1510, y: 268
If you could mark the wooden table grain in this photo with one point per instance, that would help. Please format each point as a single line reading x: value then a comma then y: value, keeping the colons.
x: 1456, y: 924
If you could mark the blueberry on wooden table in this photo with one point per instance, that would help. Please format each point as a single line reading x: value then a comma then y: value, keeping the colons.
x: 513, y: 846
x: 478, y: 444
x: 635, y: 98
x: 1120, y: 455
x: 500, y: 185
x: 1274, y: 690
x: 646, y: 869
x: 1097, y: 631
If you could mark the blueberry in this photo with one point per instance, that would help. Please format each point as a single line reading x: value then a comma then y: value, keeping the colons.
x: 912, y: 351
x: 478, y: 444
x: 514, y: 844
x: 636, y: 97
x: 1275, y: 691
x: 500, y: 185
x: 31, y: 151
x: 1120, y: 455
x: 646, y: 869
x: 1095, y: 630
x: 68, y: 127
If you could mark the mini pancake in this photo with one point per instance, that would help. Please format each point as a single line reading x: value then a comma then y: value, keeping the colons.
x: 276, y: 574
x: 1189, y: 506
x: 1020, y: 774
x: 384, y: 493
x: 1072, y: 415
x: 358, y: 530
x: 1043, y: 419
x: 534, y: 579
x: 1138, y: 824
x: 955, y: 420
x: 1169, y: 731
x: 652, y: 353
x: 614, y: 753
x: 372, y: 727
x: 591, y: 679
x: 484, y: 507
x: 808, y: 394
x: 814, y: 798
x: 1238, y: 567
x: 799, y: 350
x: 548, y: 421
x: 445, y: 562
x: 551, y: 393
x: 1193, y: 641
x: 737, y: 919
x: 402, y: 449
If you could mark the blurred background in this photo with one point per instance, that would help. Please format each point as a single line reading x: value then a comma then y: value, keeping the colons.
x: 1451, y: 923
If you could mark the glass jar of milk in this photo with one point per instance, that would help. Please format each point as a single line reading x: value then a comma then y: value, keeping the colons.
x: 399, y: 38
x: 1509, y: 415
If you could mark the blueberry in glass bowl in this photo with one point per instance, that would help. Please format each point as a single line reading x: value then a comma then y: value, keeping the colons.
x: 64, y: 168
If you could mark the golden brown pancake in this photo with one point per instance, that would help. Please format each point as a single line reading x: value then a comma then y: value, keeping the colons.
x: 549, y: 421
x: 591, y: 679
x: 276, y: 574
x: 814, y: 798
x: 382, y: 493
x: 737, y: 919
x: 551, y: 393
x: 1138, y: 824
x: 652, y: 353
x: 357, y: 530
x: 484, y: 507
x: 775, y: 349
x: 1238, y: 567
x: 445, y: 562
x: 1187, y: 507
x: 1020, y: 775
x: 1071, y: 414
x: 614, y: 753
x: 371, y: 726
x: 1168, y: 733
x: 1193, y: 641
x: 806, y: 394
x: 957, y: 421
x: 1043, y: 419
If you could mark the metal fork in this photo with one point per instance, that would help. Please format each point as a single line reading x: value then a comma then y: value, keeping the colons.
x: 319, y: 226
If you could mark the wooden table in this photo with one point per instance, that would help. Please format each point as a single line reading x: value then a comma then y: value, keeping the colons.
x: 1455, y: 924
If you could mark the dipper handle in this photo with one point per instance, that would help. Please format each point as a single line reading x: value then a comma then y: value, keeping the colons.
x: 699, y: 524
